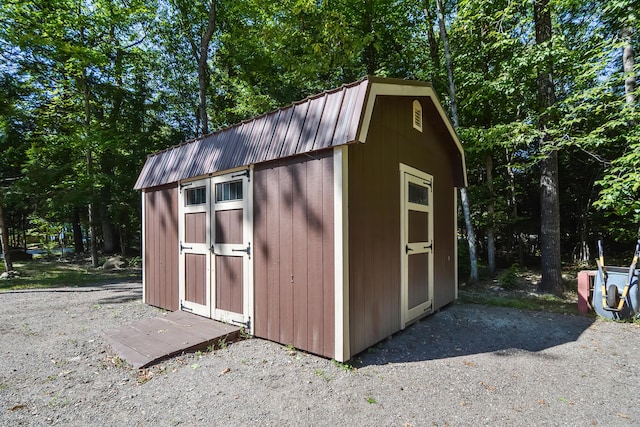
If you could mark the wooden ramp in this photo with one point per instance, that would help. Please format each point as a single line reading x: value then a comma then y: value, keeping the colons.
x: 147, y: 342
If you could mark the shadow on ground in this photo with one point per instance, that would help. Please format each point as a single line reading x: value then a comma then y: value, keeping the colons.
x: 464, y: 329
x: 120, y: 291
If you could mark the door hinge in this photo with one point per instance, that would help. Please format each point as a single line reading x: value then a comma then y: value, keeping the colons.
x: 247, y: 324
x: 188, y: 184
x: 246, y: 173
x: 246, y: 250
x: 182, y: 247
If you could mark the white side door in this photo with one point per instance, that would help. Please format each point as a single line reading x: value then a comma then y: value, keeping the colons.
x: 194, y: 233
x: 416, y: 224
x: 232, y: 222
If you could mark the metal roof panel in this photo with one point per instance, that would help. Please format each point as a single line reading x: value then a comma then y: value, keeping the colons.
x: 294, y: 130
x: 327, y: 125
x: 309, y: 131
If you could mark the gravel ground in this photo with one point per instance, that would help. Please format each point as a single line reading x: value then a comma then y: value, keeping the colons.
x: 466, y: 365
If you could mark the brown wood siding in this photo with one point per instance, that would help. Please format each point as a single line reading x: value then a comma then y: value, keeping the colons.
x: 195, y: 227
x: 161, y: 247
x: 374, y: 215
x: 195, y: 282
x: 229, y: 283
x: 293, y: 264
x: 229, y: 226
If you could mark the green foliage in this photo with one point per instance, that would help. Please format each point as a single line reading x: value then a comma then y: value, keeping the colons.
x: 508, y: 279
x: 42, y: 274
x: 45, y: 232
x: 543, y: 303
x: 119, y: 80
x: 343, y: 365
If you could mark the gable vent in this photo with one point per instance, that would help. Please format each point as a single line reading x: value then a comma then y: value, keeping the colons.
x: 417, y: 115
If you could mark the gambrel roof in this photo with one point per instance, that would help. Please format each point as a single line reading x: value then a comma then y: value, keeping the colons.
x: 329, y: 119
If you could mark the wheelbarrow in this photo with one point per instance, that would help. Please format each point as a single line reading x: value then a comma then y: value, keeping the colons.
x: 615, y: 291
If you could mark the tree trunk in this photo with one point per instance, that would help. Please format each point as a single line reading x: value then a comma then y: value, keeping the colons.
x: 4, y: 241
x: 517, y: 234
x: 87, y: 121
x: 200, y: 53
x: 93, y: 246
x: 628, y: 60
x: 431, y: 37
x: 453, y: 105
x: 109, y: 234
x: 549, y: 181
x: 123, y: 245
x: 491, y: 240
x: 471, y: 235
x: 203, y: 66
x: 24, y: 223
x: 78, y: 245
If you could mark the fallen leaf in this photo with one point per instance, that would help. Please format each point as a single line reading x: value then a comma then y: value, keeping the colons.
x: 16, y: 407
x: 621, y: 415
x: 471, y: 364
x: 226, y: 370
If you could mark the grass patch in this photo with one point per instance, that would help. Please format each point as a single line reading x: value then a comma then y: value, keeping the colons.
x: 322, y: 374
x: 539, y: 303
x: 42, y: 274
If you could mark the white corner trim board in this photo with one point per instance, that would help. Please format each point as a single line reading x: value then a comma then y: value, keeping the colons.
x: 341, y: 253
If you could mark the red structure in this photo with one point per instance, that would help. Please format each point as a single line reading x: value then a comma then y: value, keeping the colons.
x: 585, y: 290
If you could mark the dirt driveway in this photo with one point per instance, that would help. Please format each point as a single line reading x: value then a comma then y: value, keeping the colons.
x: 466, y: 365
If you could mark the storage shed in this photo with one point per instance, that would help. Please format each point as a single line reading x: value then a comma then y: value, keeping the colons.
x: 329, y: 224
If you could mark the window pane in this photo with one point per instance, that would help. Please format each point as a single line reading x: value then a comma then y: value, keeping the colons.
x: 418, y: 194
x: 228, y: 191
x: 196, y: 196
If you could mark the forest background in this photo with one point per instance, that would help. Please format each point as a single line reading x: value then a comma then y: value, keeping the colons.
x: 542, y: 93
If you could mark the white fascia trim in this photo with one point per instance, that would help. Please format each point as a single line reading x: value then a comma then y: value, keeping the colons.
x: 341, y: 253
x: 377, y: 89
x: 143, y: 196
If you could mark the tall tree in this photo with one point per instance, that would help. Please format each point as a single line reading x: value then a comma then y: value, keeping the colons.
x: 549, y: 179
x: 198, y: 22
x: 471, y: 235
x: 4, y: 240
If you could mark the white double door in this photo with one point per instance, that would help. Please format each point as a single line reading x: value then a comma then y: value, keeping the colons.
x: 215, y: 231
